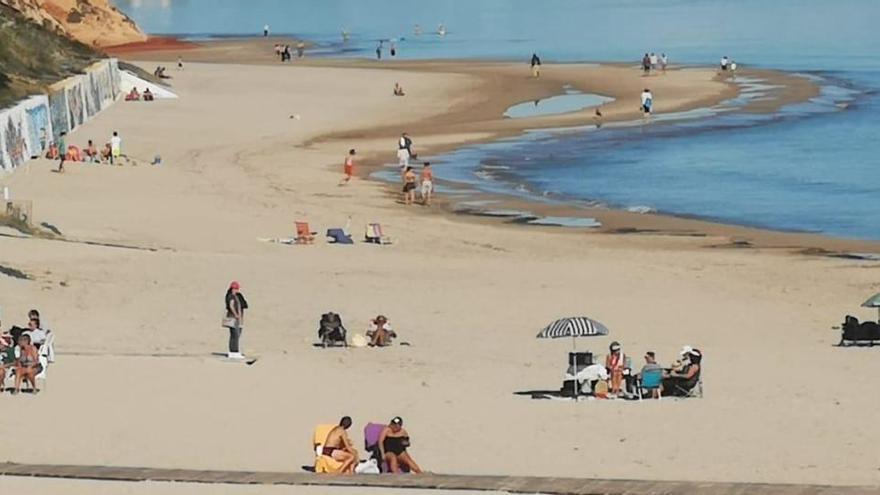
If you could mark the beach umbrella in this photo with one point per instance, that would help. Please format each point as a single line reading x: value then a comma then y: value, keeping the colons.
x: 575, y: 327
x: 873, y: 302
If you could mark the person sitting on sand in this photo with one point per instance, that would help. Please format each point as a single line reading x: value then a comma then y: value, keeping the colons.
x: 380, y: 332
x: 148, y: 95
x: 52, y: 152
x: 74, y: 154
x: 398, y: 90
x: 133, y: 95
x: 339, y: 446
x: 427, y: 181
x: 91, y: 153
x: 27, y: 366
x: 409, y: 186
x: 393, y: 443
x: 615, y: 363
x: 107, y: 153
x: 680, y: 383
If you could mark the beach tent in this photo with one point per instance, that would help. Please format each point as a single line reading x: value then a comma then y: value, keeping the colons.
x: 574, y: 327
x: 873, y: 302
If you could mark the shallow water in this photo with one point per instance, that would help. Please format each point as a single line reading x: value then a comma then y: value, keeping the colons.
x: 565, y: 103
x: 812, y: 167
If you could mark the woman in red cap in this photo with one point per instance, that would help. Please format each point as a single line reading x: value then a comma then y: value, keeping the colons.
x: 234, y: 320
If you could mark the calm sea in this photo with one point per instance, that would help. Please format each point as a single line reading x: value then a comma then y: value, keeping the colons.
x: 811, y: 168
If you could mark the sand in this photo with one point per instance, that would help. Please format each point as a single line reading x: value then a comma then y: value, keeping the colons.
x: 136, y: 382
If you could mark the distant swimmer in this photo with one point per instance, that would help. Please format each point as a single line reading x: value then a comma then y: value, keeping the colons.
x: 441, y: 29
x: 417, y: 30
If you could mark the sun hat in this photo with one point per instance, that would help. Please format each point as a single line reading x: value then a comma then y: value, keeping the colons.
x: 615, y: 346
x: 686, y: 350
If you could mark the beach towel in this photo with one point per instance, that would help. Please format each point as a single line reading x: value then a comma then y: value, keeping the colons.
x: 323, y: 463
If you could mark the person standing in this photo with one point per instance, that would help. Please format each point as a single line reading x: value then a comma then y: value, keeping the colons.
x: 179, y: 63
x: 265, y: 31
x: 647, y: 103
x: 664, y: 60
x: 300, y: 49
x: 62, y: 151
x: 115, y: 148
x: 348, y: 168
x: 234, y: 320
x: 404, y: 151
x: 536, y: 66
x: 646, y: 65
x: 393, y: 49
x: 724, y: 62
x: 409, y: 186
x: 379, y: 51
x: 427, y: 180
x: 653, y: 58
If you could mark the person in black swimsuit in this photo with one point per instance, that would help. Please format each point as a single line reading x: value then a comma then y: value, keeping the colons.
x: 392, y: 446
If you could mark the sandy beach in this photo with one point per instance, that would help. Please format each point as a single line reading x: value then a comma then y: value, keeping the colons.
x: 137, y: 383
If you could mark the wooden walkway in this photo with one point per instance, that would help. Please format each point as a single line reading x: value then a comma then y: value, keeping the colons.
x: 511, y: 484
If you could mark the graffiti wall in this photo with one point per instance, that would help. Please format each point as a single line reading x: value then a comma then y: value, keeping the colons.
x: 27, y: 128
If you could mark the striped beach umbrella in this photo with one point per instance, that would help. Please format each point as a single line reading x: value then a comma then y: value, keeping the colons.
x: 579, y: 326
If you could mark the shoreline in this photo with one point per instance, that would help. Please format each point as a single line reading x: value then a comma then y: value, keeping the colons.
x: 468, y: 124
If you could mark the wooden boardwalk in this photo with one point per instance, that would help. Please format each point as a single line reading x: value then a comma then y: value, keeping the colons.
x: 511, y: 484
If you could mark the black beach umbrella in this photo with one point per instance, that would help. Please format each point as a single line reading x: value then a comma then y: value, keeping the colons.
x: 575, y: 327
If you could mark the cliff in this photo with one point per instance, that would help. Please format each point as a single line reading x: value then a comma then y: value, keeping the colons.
x: 33, y: 56
x: 92, y: 22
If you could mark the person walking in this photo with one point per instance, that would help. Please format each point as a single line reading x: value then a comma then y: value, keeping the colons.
x: 348, y: 167
x: 62, y: 151
x: 300, y: 49
x: 646, y: 65
x: 115, y: 148
x: 404, y: 151
x: 536, y: 66
x: 234, y: 320
x: 647, y: 103
x: 427, y: 180
x: 664, y: 60
x: 379, y: 51
x: 265, y: 31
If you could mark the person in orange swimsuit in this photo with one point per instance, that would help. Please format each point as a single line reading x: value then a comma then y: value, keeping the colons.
x: 615, y: 362
x: 348, y: 168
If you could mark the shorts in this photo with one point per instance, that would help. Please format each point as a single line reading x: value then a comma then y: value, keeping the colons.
x: 349, y: 170
x: 117, y: 152
x: 427, y: 187
x: 409, y: 186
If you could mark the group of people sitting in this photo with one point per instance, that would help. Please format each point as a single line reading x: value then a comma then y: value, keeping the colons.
x: 20, y: 353
x: 332, y: 332
x: 89, y: 153
x: 386, y: 445
x: 617, y: 377
x: 134, y: 95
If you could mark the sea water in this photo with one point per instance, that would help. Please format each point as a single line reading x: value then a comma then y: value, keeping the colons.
x: 812, y: 167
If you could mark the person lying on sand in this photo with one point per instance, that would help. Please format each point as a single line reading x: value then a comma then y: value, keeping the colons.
x: 339, y: 446
x: 393, y: 443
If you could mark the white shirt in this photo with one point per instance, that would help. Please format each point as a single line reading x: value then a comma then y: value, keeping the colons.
x: 723, y: 60
x: 37, y: 336
x: 646, y: 95
x: 663, y: 59
x: 653, y: 59
x: 116, y: 143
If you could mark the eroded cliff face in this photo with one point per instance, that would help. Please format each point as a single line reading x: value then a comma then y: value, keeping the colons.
x: 93, y: 22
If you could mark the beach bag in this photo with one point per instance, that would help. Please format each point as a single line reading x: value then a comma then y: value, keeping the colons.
x: 370, y: 466
x: 229, y: 322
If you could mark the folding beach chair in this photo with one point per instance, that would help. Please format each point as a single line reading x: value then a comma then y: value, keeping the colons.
x: 373, y: 234
x: 304, y: 234
x: 47, y: 355
x: 651, y: 380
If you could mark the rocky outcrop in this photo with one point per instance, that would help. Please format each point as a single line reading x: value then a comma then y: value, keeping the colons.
x: 92, y: 22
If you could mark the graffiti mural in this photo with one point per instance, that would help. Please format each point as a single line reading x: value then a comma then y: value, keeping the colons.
x: 75, y: 106
x: 58, y: 113
x: 14, y: 145
x: 93, y: 97
x: 38, y: 127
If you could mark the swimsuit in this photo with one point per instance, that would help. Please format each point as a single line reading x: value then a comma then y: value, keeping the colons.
x: 396, y: 445
x: 328, y: 451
